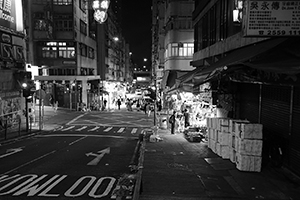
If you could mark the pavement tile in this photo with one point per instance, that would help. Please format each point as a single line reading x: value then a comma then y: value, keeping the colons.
x: 177, y: 169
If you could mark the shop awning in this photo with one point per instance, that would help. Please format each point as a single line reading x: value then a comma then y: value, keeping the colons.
x: 235, y: 57
x: 283, y: 59
x: 170, y: 76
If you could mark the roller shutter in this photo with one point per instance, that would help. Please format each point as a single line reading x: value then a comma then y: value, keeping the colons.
x: 295, y: 135
x: 275, y: 116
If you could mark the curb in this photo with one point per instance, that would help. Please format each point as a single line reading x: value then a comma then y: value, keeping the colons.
x: 138, y: 184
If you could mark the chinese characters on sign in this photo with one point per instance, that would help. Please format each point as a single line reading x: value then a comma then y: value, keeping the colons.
x: 272, y: 18
x: 100, y: 7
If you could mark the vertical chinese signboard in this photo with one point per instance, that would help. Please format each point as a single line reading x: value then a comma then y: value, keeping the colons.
x: 271, y: 18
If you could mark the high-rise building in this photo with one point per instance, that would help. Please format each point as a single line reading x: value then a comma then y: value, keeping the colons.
x: 172, y: 40
x: 74, y: 53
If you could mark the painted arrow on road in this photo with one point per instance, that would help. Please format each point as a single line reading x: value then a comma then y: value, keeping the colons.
x: 11, y: 152
x: 99, y: 155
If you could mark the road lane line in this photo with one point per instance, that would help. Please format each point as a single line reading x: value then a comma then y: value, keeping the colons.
x: 69, y: 128
x: 80, y: 135
x: 93, y: 129
x: 121, y: 130
x: 82, y: 128
x: 77, y: 140
x: 134, y: 130
x: 108, y: 129
x: 23, y: 165
x: 73, y: 120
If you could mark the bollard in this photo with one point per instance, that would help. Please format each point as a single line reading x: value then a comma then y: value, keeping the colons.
x: 5, y: 129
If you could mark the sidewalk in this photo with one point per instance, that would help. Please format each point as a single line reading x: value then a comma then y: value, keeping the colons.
x: 52, y: 119
x: 177, y: 169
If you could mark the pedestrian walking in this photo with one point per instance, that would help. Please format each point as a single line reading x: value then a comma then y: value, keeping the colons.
x: 104, y: 104
x: 186, y: 118
x: 172, y: 122
x: 138, y: 105
x: 119, y: 103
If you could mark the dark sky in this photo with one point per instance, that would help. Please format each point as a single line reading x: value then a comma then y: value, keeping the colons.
x: 136, y: 25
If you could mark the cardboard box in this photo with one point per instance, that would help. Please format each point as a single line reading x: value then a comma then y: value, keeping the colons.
x: 248, y: 163
x: 251, y: 131
x: 248, y: 147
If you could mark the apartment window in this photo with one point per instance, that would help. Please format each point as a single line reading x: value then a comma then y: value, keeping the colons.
x: 91, y: 53
x: 180, y: 50
x: 41, y: 1
x: 62, y: 2
x: 40, y: 24
x: 65, y: 51
x: 223, y: 19
x: 83, y: 50
x: 83, y: 5
x: 83, y: 27
x: 58, y: 50
x: 63, y: 22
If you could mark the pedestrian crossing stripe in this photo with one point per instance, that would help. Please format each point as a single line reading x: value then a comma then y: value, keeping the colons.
x: 108, y: 129
x: 94, y: 129
x: 134, y: 130
x: 121, y: 130
x: 82, y: 128
x: 69, y: 128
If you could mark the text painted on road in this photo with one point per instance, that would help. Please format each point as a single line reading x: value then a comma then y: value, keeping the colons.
x: 11, y: 152
x: 44, y: 185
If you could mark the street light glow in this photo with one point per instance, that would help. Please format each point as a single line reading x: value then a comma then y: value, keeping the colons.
x: 24, y: 85
x: 145, y: 59
x: 116, y: 39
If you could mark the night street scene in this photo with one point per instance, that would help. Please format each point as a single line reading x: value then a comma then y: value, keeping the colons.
x: 150, y: 99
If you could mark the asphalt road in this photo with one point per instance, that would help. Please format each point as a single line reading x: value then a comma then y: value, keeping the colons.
x: 86, y: 158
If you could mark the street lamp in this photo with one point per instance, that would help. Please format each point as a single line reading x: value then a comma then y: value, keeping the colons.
x: 116, y: 39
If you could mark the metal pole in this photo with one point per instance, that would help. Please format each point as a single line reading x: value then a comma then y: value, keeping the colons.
x: 26, y: 115
x: 70, y: 92
x: 40, y: 109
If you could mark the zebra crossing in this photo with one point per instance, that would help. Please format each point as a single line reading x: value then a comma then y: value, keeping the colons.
x: 118, y: 130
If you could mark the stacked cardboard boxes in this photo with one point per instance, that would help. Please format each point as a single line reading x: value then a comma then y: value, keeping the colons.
x: 237, y: 140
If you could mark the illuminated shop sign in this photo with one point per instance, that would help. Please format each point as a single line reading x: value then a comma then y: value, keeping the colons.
x: 8, y: 51
x: 100, y: 7
x: 272, y: 18
x: 11, y: 14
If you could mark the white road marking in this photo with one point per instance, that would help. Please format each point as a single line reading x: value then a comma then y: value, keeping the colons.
x: 121, y: 130
x: 82, y: 128
x: 77, y: 140
x: 11, y: 152
x: 134, y: 130
x: 108, y: 129
x: 93, y: 129
x: 80, y: 135
x: 73, y: 120
x: 99, y: 156
x: 20, y: 166
x: 69, y: 128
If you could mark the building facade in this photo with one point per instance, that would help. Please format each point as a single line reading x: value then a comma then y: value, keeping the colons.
x: 252, y: 76
x: 75, y: 54
x: 12, y: 67
x: 173, y: 39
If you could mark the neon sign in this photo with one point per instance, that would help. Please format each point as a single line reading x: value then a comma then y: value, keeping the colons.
x: 100, y: 7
